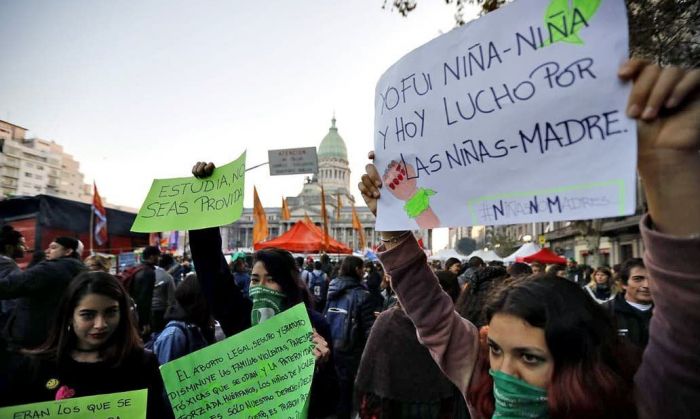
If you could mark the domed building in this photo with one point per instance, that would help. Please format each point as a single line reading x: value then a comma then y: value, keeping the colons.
x: 334, y: 175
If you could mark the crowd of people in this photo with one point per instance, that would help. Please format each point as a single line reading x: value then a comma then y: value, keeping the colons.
x: 398, y: 338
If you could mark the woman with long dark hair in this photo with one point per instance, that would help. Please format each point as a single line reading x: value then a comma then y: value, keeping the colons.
x: 550, y: 351
x: 93, y: 348
x: 275, y: 286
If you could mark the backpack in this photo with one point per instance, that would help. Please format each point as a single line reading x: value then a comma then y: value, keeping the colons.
x: 127, y: 277
x: 194, y: 337
x: 341, y: 314
x: 318, y: 286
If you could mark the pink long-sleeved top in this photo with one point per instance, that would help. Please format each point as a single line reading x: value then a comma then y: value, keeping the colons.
x: 667, y: 384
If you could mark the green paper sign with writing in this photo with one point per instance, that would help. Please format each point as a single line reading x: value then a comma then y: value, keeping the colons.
x: 262, y: 372
x: 129, y: 404
x: 189, y: 203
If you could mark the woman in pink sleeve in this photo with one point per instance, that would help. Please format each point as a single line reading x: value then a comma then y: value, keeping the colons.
x: 549, y: 350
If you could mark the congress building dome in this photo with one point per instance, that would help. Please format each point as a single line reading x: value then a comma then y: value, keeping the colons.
x: 332, y: 146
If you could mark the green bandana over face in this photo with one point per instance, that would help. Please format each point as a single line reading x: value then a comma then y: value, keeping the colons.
x: 517, y: 399
x: 418, y: 202
x: 266, y: 303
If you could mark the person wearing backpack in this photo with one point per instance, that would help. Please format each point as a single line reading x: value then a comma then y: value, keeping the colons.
x: 189, y: 326
x: 350, y: 313
x: 318, y: 285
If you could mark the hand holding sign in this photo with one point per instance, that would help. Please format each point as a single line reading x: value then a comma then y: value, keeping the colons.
x: 668, y: 158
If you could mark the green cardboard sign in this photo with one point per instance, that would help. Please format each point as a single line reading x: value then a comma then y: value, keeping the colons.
x: 129, y: 404
x: 189, y: 203
x: 262, y: 372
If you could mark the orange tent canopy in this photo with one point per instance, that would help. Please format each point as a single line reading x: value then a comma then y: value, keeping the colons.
x: 304, y: 237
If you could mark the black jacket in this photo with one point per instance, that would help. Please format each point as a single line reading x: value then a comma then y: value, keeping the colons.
x: 232, y: 311
x: 38, y: 291
x: 631, y: 323
x: 39, y: 379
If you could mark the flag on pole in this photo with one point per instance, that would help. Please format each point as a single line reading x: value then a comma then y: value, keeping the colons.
x: 324, y: 215
x: 100, y: 214
x: 357, y: 225
x: 338, y: 206
x: 285, y: 210
x: 259, y: 219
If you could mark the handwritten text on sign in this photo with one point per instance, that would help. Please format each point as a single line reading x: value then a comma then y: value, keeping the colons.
x: 191, y: 203
x: 126, y: 405
x: 531, y: 110
x: 262, y: 372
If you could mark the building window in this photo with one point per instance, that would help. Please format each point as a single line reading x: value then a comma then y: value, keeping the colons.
x: 27, y: 174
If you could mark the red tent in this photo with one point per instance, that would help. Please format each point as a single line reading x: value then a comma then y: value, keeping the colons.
x: 304, y: 237
x: 545, y: 256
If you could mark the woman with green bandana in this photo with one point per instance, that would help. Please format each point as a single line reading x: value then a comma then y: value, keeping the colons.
x: 549, y: 350
x: 275, y: 285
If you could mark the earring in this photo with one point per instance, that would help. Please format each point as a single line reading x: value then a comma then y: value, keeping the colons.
x: 68, y: 327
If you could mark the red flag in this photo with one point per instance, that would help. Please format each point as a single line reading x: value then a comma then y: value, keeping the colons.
x: 100, y: 214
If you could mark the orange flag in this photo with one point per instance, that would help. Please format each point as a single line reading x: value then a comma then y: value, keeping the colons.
x: 338, y: 206
x: 357, y: 225
x: 285, y: 210
x: 259, y: 219
x: 324, y: 214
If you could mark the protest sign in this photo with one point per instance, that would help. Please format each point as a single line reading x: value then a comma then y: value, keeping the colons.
x: 190, y: 203
x: 516, y: 117
x: 262, y: 372
x: 129, y: 404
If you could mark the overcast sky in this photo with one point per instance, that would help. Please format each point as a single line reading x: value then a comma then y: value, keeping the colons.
x: 142, y: 89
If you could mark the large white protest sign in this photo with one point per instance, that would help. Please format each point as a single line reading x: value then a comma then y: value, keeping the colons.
x: 519, y: 116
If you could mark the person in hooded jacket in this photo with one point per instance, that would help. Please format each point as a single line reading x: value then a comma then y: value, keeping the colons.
x: 38, y: 290
x: 348, y: 297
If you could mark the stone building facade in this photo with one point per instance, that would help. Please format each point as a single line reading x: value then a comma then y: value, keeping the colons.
x: 334, y: 175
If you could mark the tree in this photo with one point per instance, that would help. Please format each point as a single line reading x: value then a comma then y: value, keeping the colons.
x: 465, y: 245
x: 665, y: 31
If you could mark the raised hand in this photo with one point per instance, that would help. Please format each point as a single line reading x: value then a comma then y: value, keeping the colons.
x: 370, y: 184
x: 202, y: 169
x: 666, y: 103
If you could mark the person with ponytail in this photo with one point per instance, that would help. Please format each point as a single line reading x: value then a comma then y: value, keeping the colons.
x: 548, y: 349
